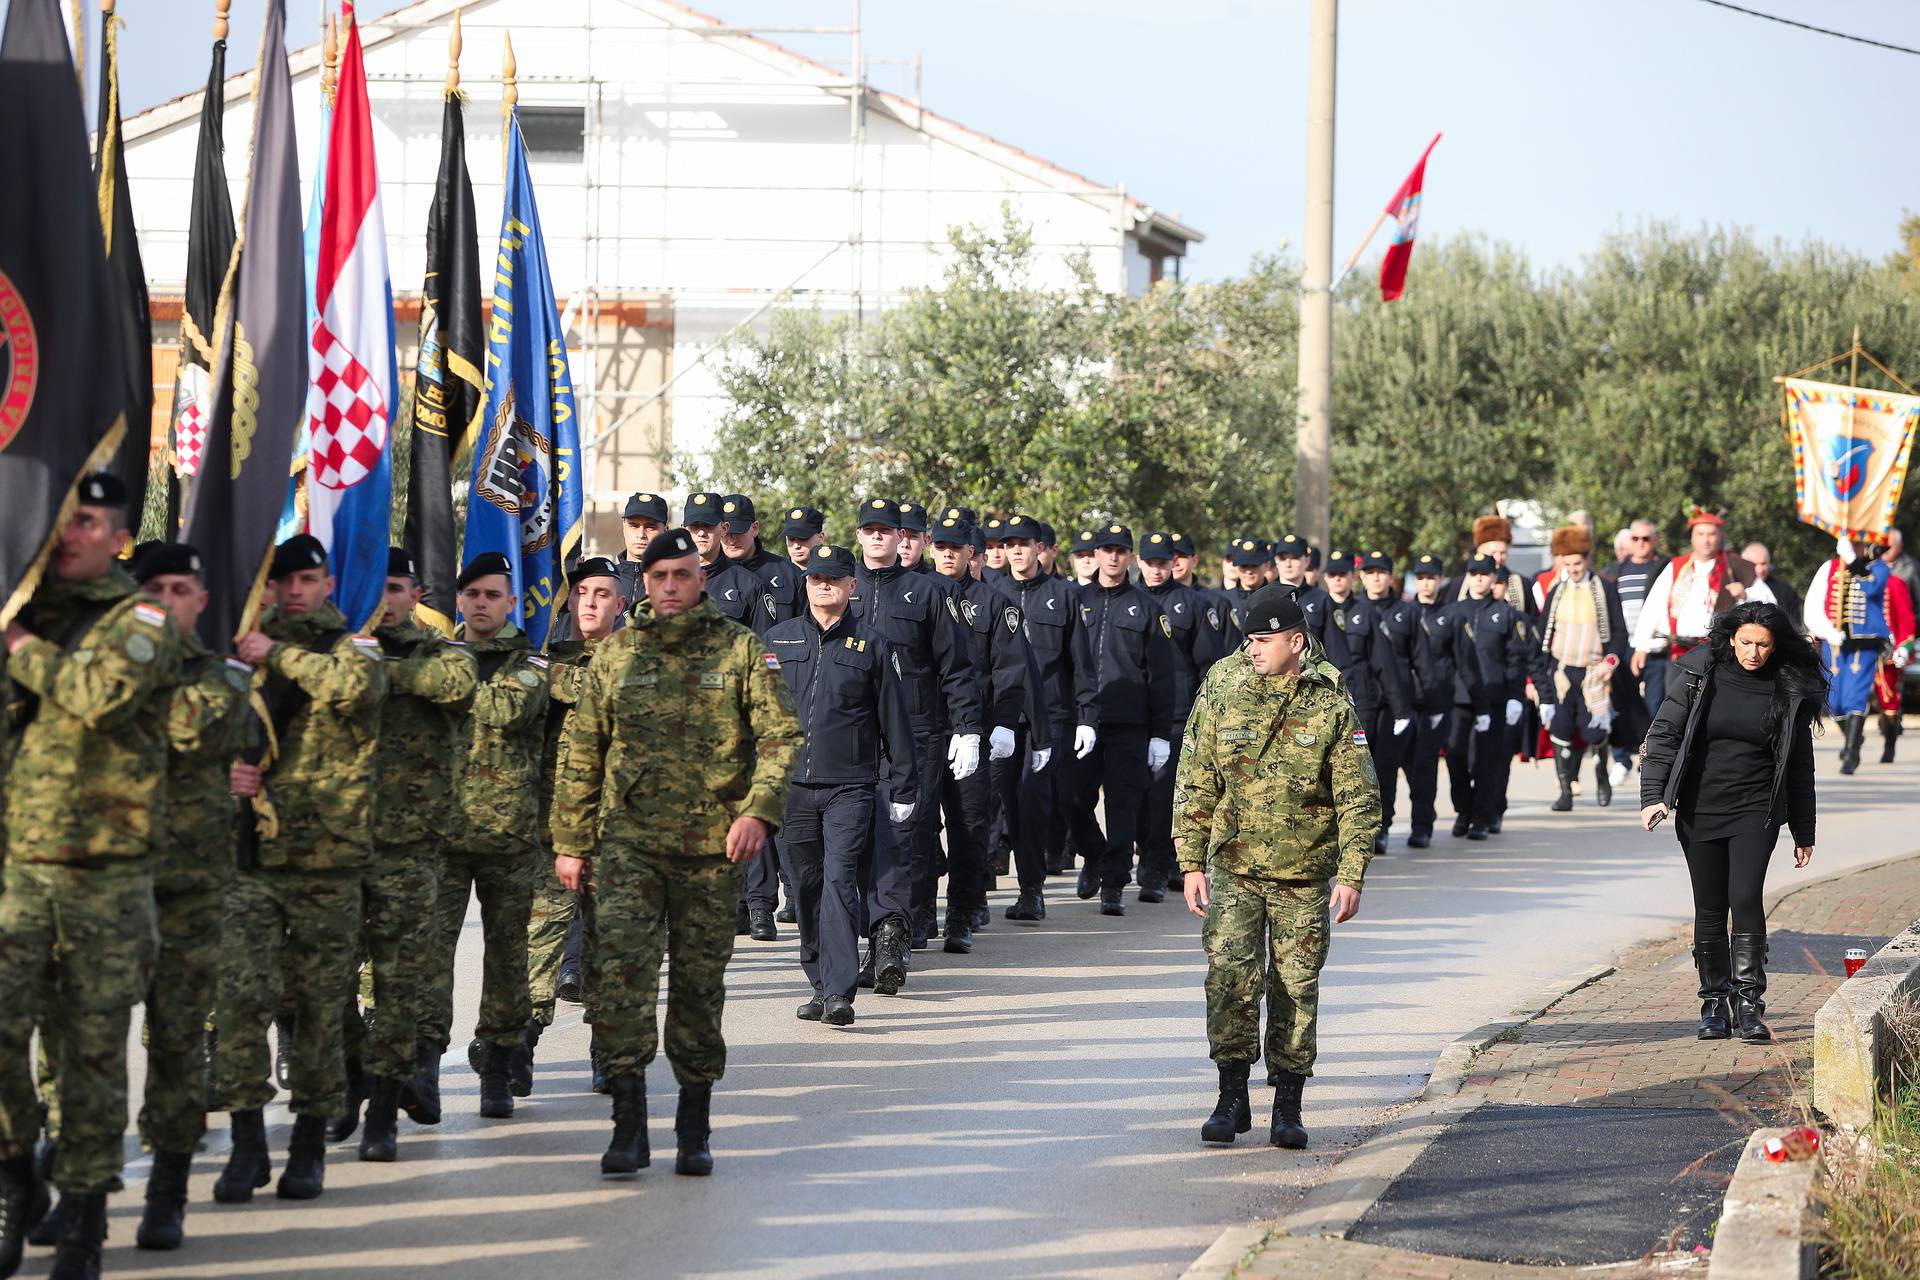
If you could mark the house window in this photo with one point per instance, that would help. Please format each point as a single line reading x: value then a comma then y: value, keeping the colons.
x: 555, y: 133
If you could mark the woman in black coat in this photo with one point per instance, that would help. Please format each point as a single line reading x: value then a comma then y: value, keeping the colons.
x: 1730, y: 757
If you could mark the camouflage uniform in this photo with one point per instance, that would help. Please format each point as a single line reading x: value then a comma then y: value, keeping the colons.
x: 694, y: 706
x: 295, y: 900
x: 87, y: 763
x: 192, y: 866
x: 555, y: 908
x: 1276, y: 794
x: 430, y: 685
x: 492, y: 853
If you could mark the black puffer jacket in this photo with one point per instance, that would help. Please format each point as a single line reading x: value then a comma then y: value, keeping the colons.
x: 1672, y: 742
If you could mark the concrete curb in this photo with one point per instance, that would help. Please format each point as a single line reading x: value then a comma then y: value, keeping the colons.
x: 1225, y: 1254
x: 1766, y: 1229
x: 1851, y: 1042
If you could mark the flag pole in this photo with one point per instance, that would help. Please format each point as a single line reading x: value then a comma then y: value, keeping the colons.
x: 509, y: 98
x: 453, y: 58
x: 220, y: 8
x: 1372, y: 231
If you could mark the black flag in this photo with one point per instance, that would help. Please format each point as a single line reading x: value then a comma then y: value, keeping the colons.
x: 128, y: 276
x: 60, y: 369
x: 209, y: 247
x: 449, y: 387
x: 260, y: 375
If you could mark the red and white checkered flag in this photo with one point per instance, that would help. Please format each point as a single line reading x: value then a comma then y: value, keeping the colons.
x: 347, y: 414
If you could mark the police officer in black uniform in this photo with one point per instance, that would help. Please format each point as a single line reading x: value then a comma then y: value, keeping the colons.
x: 782, y: 596
x: 1433, y: 680
x: 734, y: 589
x: 1488, y: 647
x: 1290, y: 562
x: 1196, y: 646
x: 1391, y: 735
x: 1244, y: 558
x: 913, y: 537
x: 644, y: 518
x: 857, y: 749
x: 801, y: 531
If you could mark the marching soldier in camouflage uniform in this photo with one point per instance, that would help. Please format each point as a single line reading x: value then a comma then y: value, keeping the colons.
x: 673, y: 769
x: 295, y: 898
x: 492, y: 856
x: 91, y: 667
x: 1275, y: 796
x: 192, y: 865
x: 430, y: 685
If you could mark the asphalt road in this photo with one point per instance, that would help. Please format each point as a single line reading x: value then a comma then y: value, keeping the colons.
x: 1030, y: 1110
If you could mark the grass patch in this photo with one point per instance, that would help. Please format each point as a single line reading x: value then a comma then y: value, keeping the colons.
x: 1871, y: 1197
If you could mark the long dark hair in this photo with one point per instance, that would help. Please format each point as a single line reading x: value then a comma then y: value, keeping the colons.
x: 1797, y: 666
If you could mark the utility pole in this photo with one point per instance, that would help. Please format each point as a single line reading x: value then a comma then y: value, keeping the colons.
x: 1313, y: 442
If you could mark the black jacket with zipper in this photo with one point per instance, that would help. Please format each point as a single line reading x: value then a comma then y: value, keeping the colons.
x: 1674, y: 738
x: 853, y: 717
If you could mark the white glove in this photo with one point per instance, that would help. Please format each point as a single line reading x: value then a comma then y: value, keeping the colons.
x: 1158, y: 749
x: 1482, y: 723
x: 900, y: 812
x: 1433, y: 721
x: 1083, y: 739
x: 1513, y: 712
x: 1400, y: 726
x: 1000, y: 743
x: 1600, y: 721
x: 1038, y: 759
x: 1843, y: 547
x: 963, y: 755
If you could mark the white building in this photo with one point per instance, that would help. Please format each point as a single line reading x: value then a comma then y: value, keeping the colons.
x: 691, y: 177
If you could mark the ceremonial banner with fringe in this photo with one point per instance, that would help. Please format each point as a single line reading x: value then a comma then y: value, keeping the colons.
x: 1850, y: 451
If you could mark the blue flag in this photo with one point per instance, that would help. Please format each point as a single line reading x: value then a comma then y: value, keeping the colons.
x: 525, y: 499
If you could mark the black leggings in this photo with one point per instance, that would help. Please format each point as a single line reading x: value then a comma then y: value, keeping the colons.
x: 1728, y: 876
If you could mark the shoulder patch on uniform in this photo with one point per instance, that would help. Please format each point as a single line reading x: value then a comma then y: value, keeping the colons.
x: 1306, y: 739
x: 973, y: 614
x: 152, y: 614
x: 714, y: 680
x: 140, y: 648
x: 773, y: 663
x: 1213, y: 619
x: 368, y: 647
x: 1011, y: 617
x: 1166, y: 628
x: 1359, y: 737
x: 536, y: 660
x: 952, y: 610
x: 527, y: 678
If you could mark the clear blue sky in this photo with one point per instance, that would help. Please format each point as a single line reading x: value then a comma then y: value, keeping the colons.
x: 1564, y: 120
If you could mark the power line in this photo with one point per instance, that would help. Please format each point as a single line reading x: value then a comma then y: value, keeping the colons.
x: 1807, y: 26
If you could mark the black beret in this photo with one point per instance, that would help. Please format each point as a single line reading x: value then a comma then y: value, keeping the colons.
x: 1113, y: 535
x: 101, y: 489
x: 830, y: 562
x: 1247, y: 553
x: 1156, y: 546
x: 1182, y: 544
x: 701, y: 508
x: 594, y: 567
x: 485, y: 565
x: 671, y: 545
x: 1428, y: 564
x: 649, y: 506
x: 1482, y: 564
x: 878, y: 511
x: 971, y: 516
x: 955, y: 529
x: 913, y: 517
x: 737, y: 510
x: 301, y: 551
x: 1047, y: 536
x: 1339, y: 562
x: 1290, y: 545
x: 152, y: 559
x: 1271, y: 609
x: 399, y: 563
x: 1377, y: 560
x: 1024, y: 528
x: 802, y: 522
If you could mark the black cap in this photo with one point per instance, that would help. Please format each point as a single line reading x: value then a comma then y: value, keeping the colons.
x: 152, y: 559
x: 1338, y: 562
x: 1025, y: 528
x: 1271, y: 609
x: 671, y: 545
x: 802, y: 522
x: 1313, y: 556
x: 648, y: 506
x: 101, y: 489
x: 1247, y: 553
x: 1047, y: 536
x: 1428, y: 564
x: 1291, y: 544
x: 830, y: 562
x: 1113, y: 535
x: 913, y: 517
x: 399, y: 563
x: 1083, y: 541
x: 1482, y: 564
x: 1377, y: 560
x: 1182, y: 544
x: 301, y: 551
x: 955, y: 529
x: 971, y: 516
x: 701, y: 508
x: 737, y: 510
x: 485, y: 565
x: 594, y: 567
x: 979, y: 541
x: 877, y: 511
x: 1156, y: 546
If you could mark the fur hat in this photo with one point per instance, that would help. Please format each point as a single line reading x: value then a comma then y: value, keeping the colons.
x: 1572, y: 540
x: 1491, y: 529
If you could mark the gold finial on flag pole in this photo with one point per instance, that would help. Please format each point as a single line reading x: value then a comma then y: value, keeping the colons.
x: 510, y: 92
x: 330, y: 60
x: 453, y: 57
x: 220, y: 8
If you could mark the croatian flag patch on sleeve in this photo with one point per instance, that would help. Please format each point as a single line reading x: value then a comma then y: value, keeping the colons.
x: 1359, y: 737
x: 773, y: 663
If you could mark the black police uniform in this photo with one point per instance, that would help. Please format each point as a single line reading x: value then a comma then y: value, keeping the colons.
x: 648, y: 506
x: 1487, y: 643
x: 1196, y: 641
x: 1392, y: 652
x: 1433, y: 681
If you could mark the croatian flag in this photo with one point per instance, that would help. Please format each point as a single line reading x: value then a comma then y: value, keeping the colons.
x: 1404, y: 209
x: 350, y: 403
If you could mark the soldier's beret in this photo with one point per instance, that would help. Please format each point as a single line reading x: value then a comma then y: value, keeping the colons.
x: 878, y: 511
x: 955, y: 529
x: 913, y: 517
x: 1272, y: 609
x: 1247, y: 553
x: 646, y: 506
x: 1377, y: 560
x: 485, y: 565
x: 737, y: 510
x: 1482, y: 564
x: 155, y: 559
x: 1156, y: 546
x: 1428, y: 565
x: 671, y: 545
x: 595, y: 567
x: 101, y: 489
x: 399, y: 563
x: 1339, y: 562
x: 971, y: 516
x: 1023, y: 528
x: 301, y: 551
x: 830, y: 562
x: 1113, y: 535
x: 1182, y: 545
x: 1047, y: 536
x: 802, y: 522
x: 1291, y: 544
x: 701, y: 508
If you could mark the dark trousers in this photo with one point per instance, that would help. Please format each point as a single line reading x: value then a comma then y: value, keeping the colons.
x: 826, y: 829
x: 1117, y: 768
x: 1003, y: 796
x: 1037, y: 810
x: 1728, y: 876
x: 1476, y: 767
x: 1423, y: 769
x: 765, y: 876
x: 963, y: 805
x: 888, y: 871
x: 1387, y: 752
x: 1156, y: 824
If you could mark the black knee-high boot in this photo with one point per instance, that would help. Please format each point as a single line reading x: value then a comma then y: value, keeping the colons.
x: 1566, y: 765
x: 1750, y: 986
x: 1713, y: 959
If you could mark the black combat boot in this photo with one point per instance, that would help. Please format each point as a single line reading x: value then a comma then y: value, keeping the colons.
x: 341, y: 1127
x: 520, y: 1061
x: 23, y: 1203
x: 1565, y: 766
x: 1088, y: 883
x: 161, y: 1225
x: 925, y: 927
x: 420, y: 1097
x: 1419, y: 839
x: 741, y: 924
x: 78, y: 1256
x: 1232, y: 1113
x: 1854, y: 734
x: 760, y: 925
x: 496, y: 1091
x: 785, y: 914
x: 380, y: 1140
x: 568, y: 987
x: 1889, y: 732
x: 981, y: 917
x: 1286, y: 1129
x: 690, y: 1131
x: 627, y: 1154
x: 1113, y: 902
x: 1750, y: 986
x: 248, y: 1165
x: 1153, y: 890
x: 1031, y: 904
x: 837, y: 1011
x: 1713, y: 959
x: 1461, y: 825
x: 306, y: 1173
x: 890, y: 957
x: 959, y: 931
x: 1602, y: 781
